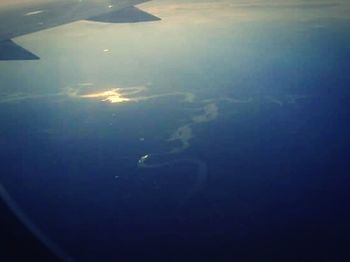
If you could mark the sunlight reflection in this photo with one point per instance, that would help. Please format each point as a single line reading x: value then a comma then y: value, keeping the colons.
x: 112, y: 96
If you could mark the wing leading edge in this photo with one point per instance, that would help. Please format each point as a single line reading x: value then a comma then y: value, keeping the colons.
x: 43, y: 17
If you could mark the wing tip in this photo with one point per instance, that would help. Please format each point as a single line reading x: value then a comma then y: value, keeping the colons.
x: 10, y: 51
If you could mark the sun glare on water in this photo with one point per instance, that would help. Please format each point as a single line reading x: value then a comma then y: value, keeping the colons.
x: 112, y: 96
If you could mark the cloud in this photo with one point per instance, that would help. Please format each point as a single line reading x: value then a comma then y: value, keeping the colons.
x: 18, y: 97
x: 211, y: 112
x: 183, y: 134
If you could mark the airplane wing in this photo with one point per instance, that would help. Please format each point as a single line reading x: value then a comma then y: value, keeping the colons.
x: 18, y: 20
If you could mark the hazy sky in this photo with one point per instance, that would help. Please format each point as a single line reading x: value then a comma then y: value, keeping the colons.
x: 248, y: 10
x: 233, y: 7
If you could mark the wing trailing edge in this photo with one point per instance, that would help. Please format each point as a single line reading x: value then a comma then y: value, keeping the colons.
x: 126, y: 15
x: 9, y: 50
